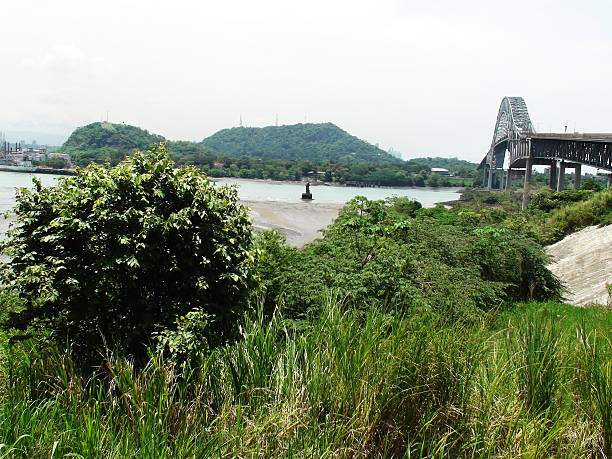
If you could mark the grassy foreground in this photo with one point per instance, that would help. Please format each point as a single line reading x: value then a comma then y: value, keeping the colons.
x: 533, y: 380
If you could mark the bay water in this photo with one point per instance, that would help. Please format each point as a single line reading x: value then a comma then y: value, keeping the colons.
x: 250, y: 190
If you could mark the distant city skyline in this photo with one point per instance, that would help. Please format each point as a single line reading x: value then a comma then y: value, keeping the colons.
x: 425, y: 78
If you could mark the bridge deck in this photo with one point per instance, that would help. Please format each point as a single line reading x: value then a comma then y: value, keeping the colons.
x: 593, y: 149
x: 588, y: 137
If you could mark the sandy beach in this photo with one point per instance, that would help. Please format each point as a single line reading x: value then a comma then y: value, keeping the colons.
x: 300, y: 222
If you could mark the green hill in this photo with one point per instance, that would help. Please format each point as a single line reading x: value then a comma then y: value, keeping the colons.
x: 101, y: 142
x: 314, y: 142
x: 108, y: 135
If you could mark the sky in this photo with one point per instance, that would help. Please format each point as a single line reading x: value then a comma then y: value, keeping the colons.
x: 422, y: 77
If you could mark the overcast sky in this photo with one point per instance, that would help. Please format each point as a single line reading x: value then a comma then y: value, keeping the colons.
x: 423, y: 77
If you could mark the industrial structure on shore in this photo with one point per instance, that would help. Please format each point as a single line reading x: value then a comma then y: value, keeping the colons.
x: 19, y: 154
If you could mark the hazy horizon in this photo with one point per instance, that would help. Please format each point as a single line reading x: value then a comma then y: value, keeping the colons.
x: 425, y: 79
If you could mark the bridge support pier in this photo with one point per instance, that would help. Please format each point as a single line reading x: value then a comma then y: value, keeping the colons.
x: 560, y: 175
x: 490, y: 178
x: 552, y: 182
x: 610, y: 180
x: 502, y: 174
x: 498, y: 178
x: 509, y: 179
x: 528, y: 165
x: 577, y: 174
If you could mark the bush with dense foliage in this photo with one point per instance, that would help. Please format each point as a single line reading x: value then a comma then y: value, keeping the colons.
x: 115, y: 254
x: 595, y: 210
x: 400, y: 256
x: 546, y: 199
x: 592, y: 184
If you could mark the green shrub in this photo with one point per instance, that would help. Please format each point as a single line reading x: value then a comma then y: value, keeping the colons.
x: 114, y: 254
x: 439, y: 259
x: 405, y: 206
x: 596, y: 210
x: 190, y: 341
x: 591, y: 184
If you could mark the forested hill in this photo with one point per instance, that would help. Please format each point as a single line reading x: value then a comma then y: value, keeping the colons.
x: 104, y: 141
x: 109, y: 135
x: 101, y: 142
x: 314, y: 142
x: 451, y: 164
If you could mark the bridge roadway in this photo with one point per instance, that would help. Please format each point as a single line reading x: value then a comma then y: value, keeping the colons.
x: 514, y: 134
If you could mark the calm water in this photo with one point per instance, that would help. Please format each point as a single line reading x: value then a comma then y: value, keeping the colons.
x: 251, y: 191
x: 291, y: 192
x: 9, y: 182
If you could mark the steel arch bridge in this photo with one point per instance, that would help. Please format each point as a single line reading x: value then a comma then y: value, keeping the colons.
x: 514, y: 134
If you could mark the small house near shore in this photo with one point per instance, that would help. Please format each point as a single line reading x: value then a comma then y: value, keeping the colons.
x: 440, y: 171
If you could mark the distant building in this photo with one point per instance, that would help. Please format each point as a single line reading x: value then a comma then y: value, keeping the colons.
x: 440, y: 171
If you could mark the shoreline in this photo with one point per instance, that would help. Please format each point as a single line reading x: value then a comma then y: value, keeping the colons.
x: 300, y: 221
x: 457, y: 189
x: 36, y: 170
x: 51, y: 171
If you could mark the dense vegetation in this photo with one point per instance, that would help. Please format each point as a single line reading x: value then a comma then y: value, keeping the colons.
x: 403, y: 332
x: 402, y: 257
x: 534, y: 381
x: 368, y: 174
x: 550, y: 216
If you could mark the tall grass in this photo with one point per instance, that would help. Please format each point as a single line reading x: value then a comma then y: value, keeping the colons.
x: 539, y: 363
x: 594, y: 378
x: 344, y: 384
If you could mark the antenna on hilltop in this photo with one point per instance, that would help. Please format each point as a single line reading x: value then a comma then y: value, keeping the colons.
x: 240, y: 120
x: 277, y: 119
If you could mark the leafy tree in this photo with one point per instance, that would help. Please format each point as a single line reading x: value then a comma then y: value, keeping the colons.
x: 433, y: 180
x: 419, y: 180
x: 591, y: 184
x: 118, y: 253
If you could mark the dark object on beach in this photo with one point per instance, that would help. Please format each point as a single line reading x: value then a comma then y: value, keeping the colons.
x: 308, y: 194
